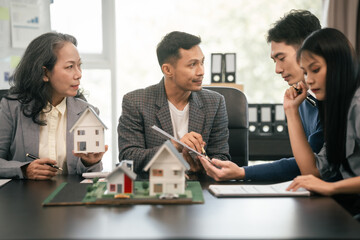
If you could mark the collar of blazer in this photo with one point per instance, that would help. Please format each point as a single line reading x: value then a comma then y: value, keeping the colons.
x: 196, y: 113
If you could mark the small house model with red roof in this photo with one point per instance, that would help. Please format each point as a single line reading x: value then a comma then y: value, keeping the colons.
x: 121, y: 180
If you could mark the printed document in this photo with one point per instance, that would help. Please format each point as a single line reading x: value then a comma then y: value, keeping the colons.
x: 245, y: 190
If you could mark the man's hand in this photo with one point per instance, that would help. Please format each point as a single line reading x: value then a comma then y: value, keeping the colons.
x: 195, y: 141
x: 195, y: 165
x: 222, y: 170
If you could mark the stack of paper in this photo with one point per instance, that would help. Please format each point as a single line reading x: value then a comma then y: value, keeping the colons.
x: 4, y: 181
x: 244, y: 190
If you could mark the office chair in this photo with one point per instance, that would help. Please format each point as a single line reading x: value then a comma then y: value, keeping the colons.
x: 237, y: 109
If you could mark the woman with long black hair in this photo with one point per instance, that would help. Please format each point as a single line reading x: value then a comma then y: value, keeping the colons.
x: 330, y: 68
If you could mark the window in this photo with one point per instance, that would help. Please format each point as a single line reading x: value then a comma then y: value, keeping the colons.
x: 224, y: 26
x: 97, y: 132
x: 157, y: 172
x: 98, y: 95
x: 175, y: 186
x: 96, y: 48
x: 176, y: 172
x: 112, y: 187
x: 81, y: 146
x: 158, y: 188
x: 84, y: 25
x: 97, y: 143
x: 81, y: 132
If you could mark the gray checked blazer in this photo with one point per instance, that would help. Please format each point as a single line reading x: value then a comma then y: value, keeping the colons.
x: 20, y: 135
x: 143, y: 108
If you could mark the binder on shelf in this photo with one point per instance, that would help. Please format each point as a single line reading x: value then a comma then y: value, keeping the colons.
x: 230, y: 67
x: 280, y: 126
x: 217, y: 67
x: 266, y: 119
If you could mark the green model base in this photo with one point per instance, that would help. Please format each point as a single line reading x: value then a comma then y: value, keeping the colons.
x: 95, y: 194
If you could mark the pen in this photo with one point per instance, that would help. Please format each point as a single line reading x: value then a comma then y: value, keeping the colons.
x: 207, y: 157
x: 308, y: 99
x: 203, y: 152
x: 51, y: 165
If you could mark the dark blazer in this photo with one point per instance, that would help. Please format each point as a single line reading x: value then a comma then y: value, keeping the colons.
x: 20, y: 135
x: 143, y: 108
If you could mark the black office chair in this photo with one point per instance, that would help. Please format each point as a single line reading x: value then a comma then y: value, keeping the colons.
x: 237, y: 109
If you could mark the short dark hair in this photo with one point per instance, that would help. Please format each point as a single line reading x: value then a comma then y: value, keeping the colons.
x: 168, y: 49
x: 27, y: 80
x: 294, y: 27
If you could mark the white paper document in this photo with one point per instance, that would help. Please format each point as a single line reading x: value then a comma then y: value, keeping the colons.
x: 95, y: 174
x: 4, y: 181
x: 244, y: 190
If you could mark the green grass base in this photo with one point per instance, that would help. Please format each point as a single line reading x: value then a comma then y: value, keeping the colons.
x: 97, y: 191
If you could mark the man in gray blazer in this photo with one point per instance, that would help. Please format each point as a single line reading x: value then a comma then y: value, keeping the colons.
x: 178, y: 105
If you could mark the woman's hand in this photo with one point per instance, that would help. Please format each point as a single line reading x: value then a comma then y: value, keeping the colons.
x: 313, y: 184
x: 90, y: 159
x: 39, y: 170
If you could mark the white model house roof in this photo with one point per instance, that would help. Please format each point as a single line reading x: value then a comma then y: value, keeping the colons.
x: 82, y: 120
x: 122, y: 168
x: 172, y: 150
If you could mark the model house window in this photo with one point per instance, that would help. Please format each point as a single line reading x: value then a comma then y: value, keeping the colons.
x: 112, y: 187
x: 97, y: 143
x: 97, y: 132
x: 119, y: 188
x: 81, y: 146
x: 157, y: 172
x: 176, y: 172
x: 175, y: 185
x: 158, y: 188
x: 81, y: 132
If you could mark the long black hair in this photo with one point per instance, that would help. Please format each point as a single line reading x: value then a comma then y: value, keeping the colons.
x: 27, y: 82
x: 341, y: 84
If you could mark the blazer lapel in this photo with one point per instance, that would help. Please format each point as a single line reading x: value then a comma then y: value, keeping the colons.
x: 31, y: 135
x: 196, y: 114
x: 163, y: 114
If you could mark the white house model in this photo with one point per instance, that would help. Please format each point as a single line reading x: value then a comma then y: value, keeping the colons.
x: 167, y: 171
x: 121, y: 180
x: 89, y: 133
